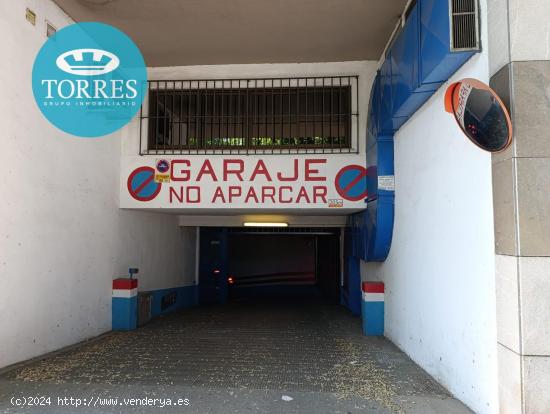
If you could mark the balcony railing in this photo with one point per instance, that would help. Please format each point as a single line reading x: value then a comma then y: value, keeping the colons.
x: 266, y: 116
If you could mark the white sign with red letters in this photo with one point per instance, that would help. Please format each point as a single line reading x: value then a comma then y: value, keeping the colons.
x: 335, y: 181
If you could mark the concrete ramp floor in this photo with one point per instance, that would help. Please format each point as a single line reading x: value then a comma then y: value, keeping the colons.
x: 292, y: 356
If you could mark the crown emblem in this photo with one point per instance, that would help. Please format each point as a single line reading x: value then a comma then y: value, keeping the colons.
x: 87, y: 62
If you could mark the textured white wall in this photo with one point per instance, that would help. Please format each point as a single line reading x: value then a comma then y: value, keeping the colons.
x: 529, y: 29
x: 519, y: 31
x: 440, y: 276
x: 62, y: 237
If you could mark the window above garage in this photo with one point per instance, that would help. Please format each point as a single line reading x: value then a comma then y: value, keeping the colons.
x: 277, y: 115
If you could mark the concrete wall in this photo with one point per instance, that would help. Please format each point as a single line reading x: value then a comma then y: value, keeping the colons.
x: 520, y: 31
x: 62, y: 237
x: 520, y: 69
x: 440, y: 274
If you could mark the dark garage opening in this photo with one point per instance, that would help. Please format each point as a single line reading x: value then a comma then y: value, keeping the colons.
x: 242, y: 264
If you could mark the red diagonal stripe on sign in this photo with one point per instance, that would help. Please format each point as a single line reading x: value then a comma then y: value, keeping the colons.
x: 144, y: 184
x: 355, y: 181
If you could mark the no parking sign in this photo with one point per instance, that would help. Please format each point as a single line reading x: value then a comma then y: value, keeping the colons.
x: 351, y: 182
x: 142, y: 185
x: 162, y: 174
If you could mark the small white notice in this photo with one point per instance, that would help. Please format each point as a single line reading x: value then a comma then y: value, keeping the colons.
x: 386, y: 182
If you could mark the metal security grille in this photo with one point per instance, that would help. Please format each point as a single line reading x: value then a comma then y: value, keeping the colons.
x: 464, y: 25
x: 275, y: 115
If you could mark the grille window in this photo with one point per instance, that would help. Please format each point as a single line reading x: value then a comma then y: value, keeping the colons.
x: 258, y: 115
x: 464, y: 25
x: 50, y: 29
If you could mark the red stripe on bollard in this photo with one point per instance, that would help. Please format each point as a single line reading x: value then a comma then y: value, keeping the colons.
x: 123, y: 283
x: 372, y: 287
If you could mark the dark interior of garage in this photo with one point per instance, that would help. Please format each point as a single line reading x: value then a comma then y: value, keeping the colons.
x: 248, y: 265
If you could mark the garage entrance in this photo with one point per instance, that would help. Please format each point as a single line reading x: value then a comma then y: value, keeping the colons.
x: 244, y: 264
x: 270, y: 334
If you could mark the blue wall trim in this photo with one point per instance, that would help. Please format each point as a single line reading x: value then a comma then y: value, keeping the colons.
x: 174, y: 299
x: 373, y: 318
x: 124, y: 314
x: 414, y: 68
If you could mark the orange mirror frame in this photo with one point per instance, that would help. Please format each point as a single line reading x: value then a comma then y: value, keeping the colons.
x: 456, y: 101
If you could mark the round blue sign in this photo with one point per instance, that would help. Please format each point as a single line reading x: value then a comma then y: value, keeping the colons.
x: 163, y: 166
x: 141, y: 184
x: 89, y: 79
x: 351, y: 182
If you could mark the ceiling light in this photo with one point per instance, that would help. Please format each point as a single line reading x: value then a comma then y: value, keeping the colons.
x: 264, y: 224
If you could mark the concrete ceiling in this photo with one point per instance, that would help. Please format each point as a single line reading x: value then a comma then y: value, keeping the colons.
x: 197, y: 32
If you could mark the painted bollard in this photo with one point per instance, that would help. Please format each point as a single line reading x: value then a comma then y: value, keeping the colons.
x: 124, y: 304
x: 372, y: 308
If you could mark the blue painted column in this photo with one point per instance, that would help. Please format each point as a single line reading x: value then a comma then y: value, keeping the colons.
x: 372, y: 308
x: 355, y: 285
x: 351, y: 297
x: 124, y: 304
x: 222, y: 284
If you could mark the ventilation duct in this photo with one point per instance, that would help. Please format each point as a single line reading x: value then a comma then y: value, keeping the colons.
x: 435, y: 40
x: 464, y: 20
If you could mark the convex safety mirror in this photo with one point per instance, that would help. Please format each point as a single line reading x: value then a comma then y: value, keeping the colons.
x: 480, y: 114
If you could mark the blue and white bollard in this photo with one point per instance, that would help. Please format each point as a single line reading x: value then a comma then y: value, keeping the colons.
x: 372, y: 308
x: 124, y: 304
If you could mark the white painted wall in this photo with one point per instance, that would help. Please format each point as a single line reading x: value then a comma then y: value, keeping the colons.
x: 440, y: 276
x: 62, y: 236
